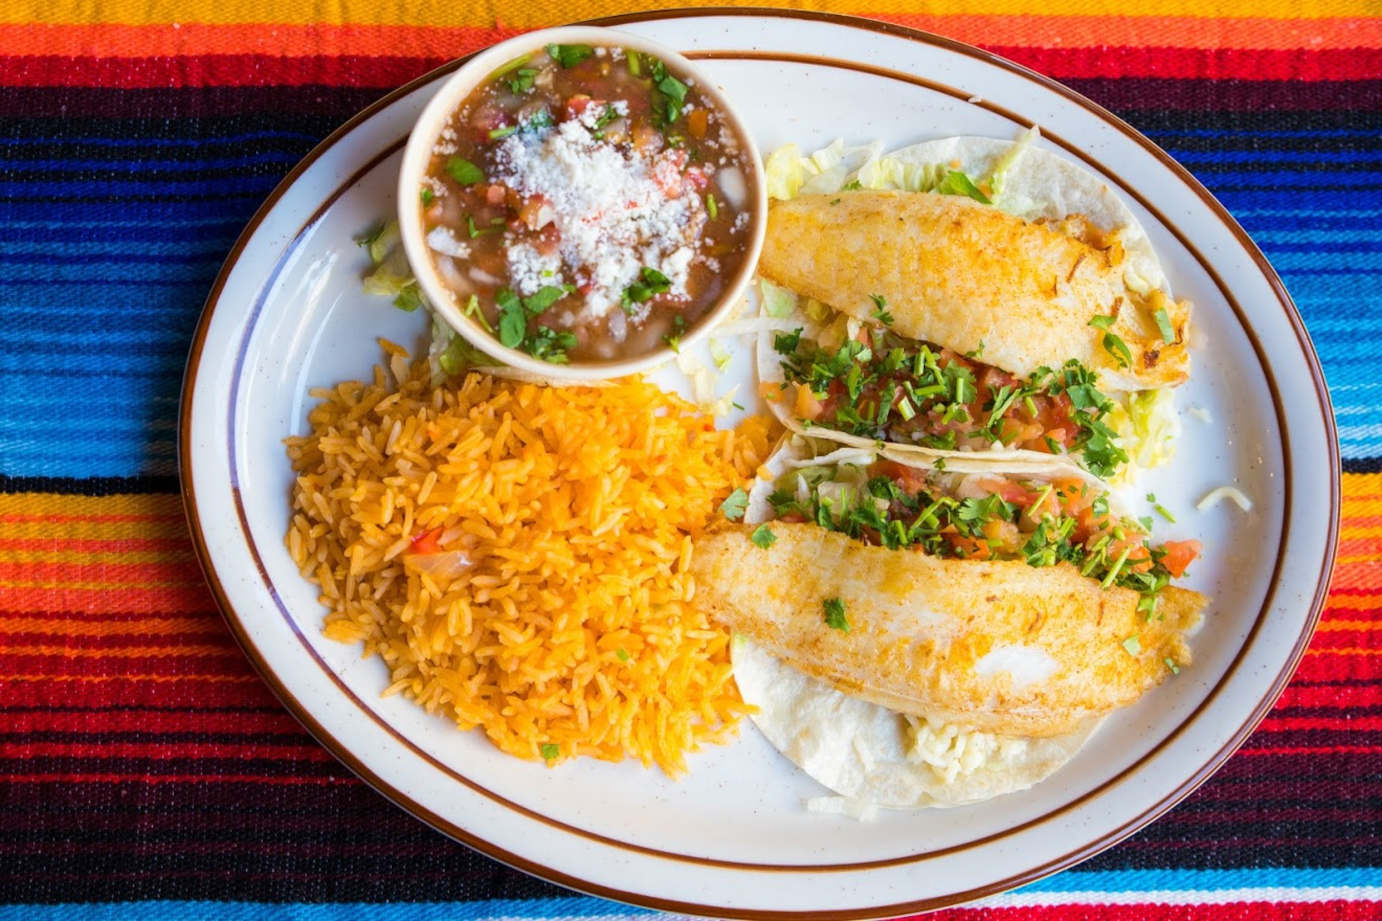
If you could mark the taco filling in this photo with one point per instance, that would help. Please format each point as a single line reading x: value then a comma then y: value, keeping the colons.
x: 873, y: 383
x: 988, y: 516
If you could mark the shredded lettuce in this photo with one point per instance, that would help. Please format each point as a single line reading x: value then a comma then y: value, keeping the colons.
x: 784, y: 172
x: 997, y: 178
x: 777, y: 301
x: 1147, y: 425
x: 892, y: 173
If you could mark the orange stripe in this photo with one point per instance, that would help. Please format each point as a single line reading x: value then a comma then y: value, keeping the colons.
x: 327, y: 40
x: 1334, y: 626
x: 97, y: 679
x: 68, y: 653
x: 1348, y: 651
x: 64, y: 544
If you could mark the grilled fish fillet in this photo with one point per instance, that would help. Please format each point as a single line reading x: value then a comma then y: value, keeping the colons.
x: 999, y: 646
x: 968, y: 276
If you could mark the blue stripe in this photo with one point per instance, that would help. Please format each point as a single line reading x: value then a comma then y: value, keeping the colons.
x: 140, y: 164
x: 572, y: 907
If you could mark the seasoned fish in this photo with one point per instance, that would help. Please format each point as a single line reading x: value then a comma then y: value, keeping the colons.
x: 1003, y: 647
x: 969, y: 277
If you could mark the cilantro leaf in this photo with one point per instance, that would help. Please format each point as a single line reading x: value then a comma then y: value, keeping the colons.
x: 835, y: 615
x: 569, y: 55
x: 734, y: 506
x: 763, y: 537
x: 549, y: 751
x: 427, y: 196
x: 880, y: 311
x: 522, y: 80
x: 545, y: 297
x: 463, y: 171
x: 513, y: 320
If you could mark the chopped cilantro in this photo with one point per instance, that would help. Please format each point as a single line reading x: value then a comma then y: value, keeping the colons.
x: 763, y: 537
x: 427, y: 196
x: 976, y: 353
x: 1163, y: 325
x: 513, y: 321
x: 673, y: 339
x: 880, y: 309
x: 472, y: 231
x: 853, y: 185
x: 549, y: 750
x: 472, y: 309
x: 550, y: 345
x: 463, y: 171
x: 835, y: 615
x: 522, y: 80
x: 669, y: 94
x: 569, y: 55
x: 1160, y: 509
x: 957, y: 183
x: 545, y: 297
x: 711, y: 206
x: 635, y: 66
x: 650, y: 282
x: 734, y: 506
x: 503, y: 132
x: 622, y: 654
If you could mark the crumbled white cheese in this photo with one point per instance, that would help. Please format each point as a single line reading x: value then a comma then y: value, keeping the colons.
x: 952, y: 751
x: 614, y: 213
x: 530, y: 270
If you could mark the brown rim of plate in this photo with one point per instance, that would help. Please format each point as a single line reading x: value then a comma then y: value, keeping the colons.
x: 304, y: 716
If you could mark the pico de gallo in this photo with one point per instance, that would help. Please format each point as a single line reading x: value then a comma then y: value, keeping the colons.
x: 587, y: 203
x: 985, y: 517
x: 878, y: 384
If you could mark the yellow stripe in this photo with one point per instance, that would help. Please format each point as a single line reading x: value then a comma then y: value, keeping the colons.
x: 46, y: 516
x: 531, y: 15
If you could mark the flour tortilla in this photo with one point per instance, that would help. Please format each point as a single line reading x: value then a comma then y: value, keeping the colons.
x: 1038, y: 184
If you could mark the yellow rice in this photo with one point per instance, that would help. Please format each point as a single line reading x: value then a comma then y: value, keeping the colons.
x: 565, y: 627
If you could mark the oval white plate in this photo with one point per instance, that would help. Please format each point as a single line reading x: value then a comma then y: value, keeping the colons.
x: 732, y: 838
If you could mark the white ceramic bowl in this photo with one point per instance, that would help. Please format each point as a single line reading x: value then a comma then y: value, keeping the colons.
x: 418, y: 153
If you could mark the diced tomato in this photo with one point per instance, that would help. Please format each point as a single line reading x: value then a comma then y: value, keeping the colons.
x: 696, y: 122
x: 1179, y: 555
x: 497, y: 194
x: 427, y: 541
x: 1007, y: 490
x: 969, y: 548
x: 908, y: 479
x: 806, y: 405
x: 576, y: 105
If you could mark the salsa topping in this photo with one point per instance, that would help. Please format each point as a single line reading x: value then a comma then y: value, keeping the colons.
x: 877, y: 384
x: 984, y: 517
x: 596, y: 173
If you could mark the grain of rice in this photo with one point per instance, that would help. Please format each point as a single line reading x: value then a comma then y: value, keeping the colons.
x: 569, y: 515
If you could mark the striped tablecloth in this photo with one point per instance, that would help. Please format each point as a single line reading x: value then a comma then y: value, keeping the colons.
x: 145, y: 772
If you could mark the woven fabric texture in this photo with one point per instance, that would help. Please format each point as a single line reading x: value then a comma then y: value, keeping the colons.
x: 147, y: 773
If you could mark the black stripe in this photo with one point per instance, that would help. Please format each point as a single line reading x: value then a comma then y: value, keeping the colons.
x: 1363, y: 465
x: 90, y: 486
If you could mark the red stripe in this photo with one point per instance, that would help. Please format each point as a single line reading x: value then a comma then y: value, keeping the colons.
x: 1344, y: 723
x: 179, y: 663
x: 1303, y: 695
x: 94, y: 545
x: 145, y: 779
x: 388, y: 71
x: 1334, y: 910
x: 302, y: 750
x: 157, y: 644
x: 188, y: 720
x: 240, y: 688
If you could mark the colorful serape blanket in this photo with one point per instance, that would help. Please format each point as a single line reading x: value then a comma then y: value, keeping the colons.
x: 146, y: 772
